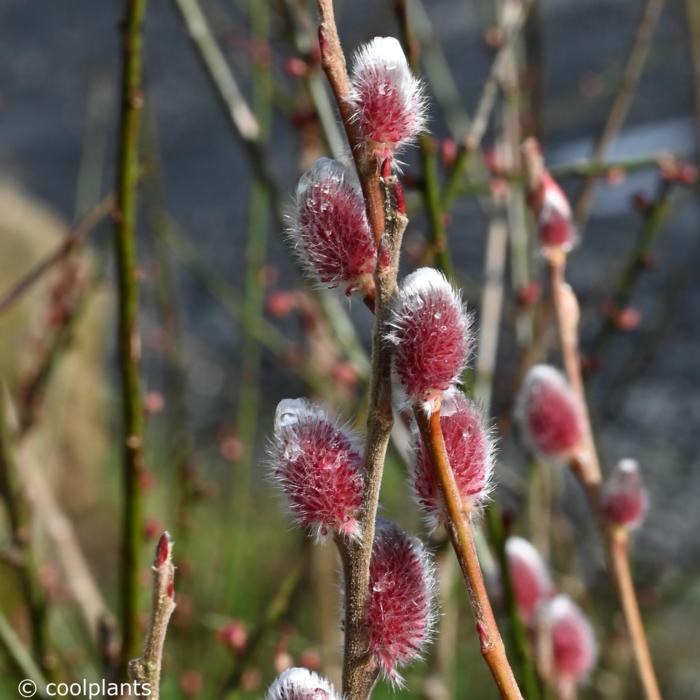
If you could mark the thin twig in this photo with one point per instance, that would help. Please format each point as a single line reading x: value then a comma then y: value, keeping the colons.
x: 74, y: 239
x: 618, y: 112
x: 428, y: 156
x: 13, y: 493
x: 359, y: 673
x: 128, y: 331
x: 485, y: 105
x: 461, y: 535
x: 586, y: 464
x: 275, y: 611
x: 654, y: 218
x: 20, y: 657
x: 145, y: 670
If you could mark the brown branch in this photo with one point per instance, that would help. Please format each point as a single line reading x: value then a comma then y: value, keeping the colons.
x: 359, y: 672
x: 145, y: 670
x: 461, y: 535
x: 75, y: 238
x: 618, y: 112
x: 586, y: 467
x: 333, y: 63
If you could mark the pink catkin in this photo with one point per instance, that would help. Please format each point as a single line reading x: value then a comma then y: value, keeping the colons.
x: 549, y: 413
x: 318, y: 469
x: 470, y: 449
x: 554, y: 218
x: 301, y: 684
x: 531, y: 582
x: 388, y: 101
x: 573, y: 644
x: 330, y: 229
x: 400, y: 613
x: 431, y: 334
x: 625, y: 499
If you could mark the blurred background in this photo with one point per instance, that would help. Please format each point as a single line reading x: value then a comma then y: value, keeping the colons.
x: 228, y: 327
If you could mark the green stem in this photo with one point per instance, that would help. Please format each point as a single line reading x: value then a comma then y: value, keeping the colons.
x: 654, y: 218
x: 428, y: 156
x: 128, y: 332
x: 19, y: 516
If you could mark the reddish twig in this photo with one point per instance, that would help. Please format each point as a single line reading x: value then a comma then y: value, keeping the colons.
x: 145, y: 670
x: 618, y: 112
x: 333, y: 62
x: 75, y: 238
x: 460, y: 531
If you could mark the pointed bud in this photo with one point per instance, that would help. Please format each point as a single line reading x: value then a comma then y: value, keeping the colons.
x: 388, y: 101
x: 625, y: 499
x: 301, y: 684
x: 529, y: 576
x: 330, y: 229
x: 401, y: 611
x: 549, y: 413
x: 552, y: 210
x: 431, y: 332
x: 573, y: 644
x: 318, y: 469
x: 470, y: 449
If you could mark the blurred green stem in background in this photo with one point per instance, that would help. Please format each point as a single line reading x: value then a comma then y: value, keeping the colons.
x: 253, y: 303
x: 128, y: 331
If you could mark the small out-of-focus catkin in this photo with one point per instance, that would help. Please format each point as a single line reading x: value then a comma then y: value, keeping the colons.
x: 549, y: 413
x: 470, y: 449
x: 318, y: 468
x: 555, y: 223
x: 573, y: 646
x: 329, y: 228
x: 301, y: 684
x: 388, y: 101
x: 431, y: 332
x: 401, y: 608
x: 530, y: 578
x: 625, y: 498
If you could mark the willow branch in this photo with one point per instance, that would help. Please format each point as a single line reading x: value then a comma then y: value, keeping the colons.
x: 333, y: 63
x: 75, y: 238
x: 586, y: 467
x: 145, y: 670
x: 359, y: 672
x: 485, y: 105
x: 628, y: 87
x: 13, y: 494
x: 128, y: 332
x: 460, y: 531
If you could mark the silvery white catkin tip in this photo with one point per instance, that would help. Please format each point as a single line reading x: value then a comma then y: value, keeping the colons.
x: 330, y: 229
x: 431, y: 333
x: 531, y: 582
x: 573, y: 645
x: 301, y: 684
x: 549, y: 413
x: 388, y: 100
x: 470, y: 450
x: 625, y: 498
x: 318, y: 468
x: 401, y: 609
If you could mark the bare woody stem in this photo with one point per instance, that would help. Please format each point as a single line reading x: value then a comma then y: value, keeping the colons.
x: 359, y: 672
x: 586, y: 467
x: 128, y: 333
x: 461, y: 535
x: 145, y: 670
